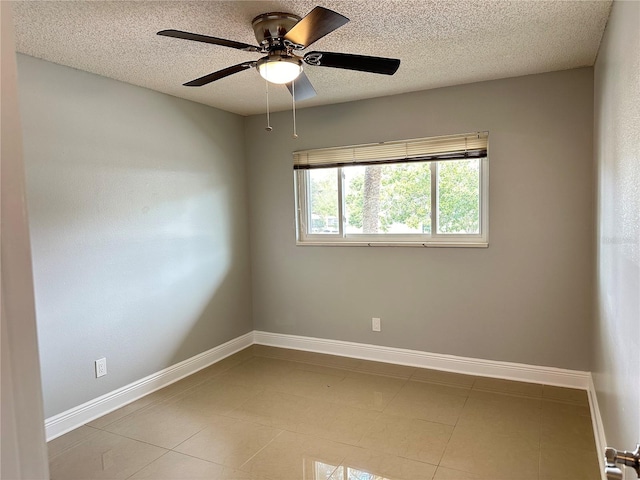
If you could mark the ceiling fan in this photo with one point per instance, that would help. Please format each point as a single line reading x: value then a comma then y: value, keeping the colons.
x: 281, y: 36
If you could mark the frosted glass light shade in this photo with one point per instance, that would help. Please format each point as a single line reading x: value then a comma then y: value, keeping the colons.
x: 279, y: 69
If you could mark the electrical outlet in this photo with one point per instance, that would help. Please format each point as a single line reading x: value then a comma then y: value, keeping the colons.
x: 375, y: 324
x: 101, y: 367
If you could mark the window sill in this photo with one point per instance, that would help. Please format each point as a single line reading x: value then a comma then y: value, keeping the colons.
x: 328, y: 243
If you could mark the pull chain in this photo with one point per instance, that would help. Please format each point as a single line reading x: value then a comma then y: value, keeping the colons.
x: 293, y: 96
x: 268, y: 127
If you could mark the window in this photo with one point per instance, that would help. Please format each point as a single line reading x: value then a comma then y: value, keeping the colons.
x: 425, y: 192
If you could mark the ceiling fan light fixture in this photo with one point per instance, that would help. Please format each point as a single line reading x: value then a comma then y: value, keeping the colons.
x: 279, y: 69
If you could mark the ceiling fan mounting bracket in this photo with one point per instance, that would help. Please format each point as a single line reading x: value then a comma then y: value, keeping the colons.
x: 270, y: 29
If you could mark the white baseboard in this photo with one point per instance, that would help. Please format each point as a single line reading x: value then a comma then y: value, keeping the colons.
x: 77, y: 416
x: 598, y: 427
x: 437, y: 361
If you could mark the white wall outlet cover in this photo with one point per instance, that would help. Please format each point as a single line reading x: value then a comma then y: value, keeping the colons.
x: 375, y: 324
x: 101, y: 367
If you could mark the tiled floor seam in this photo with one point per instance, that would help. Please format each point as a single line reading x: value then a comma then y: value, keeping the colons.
x: 444, y: 451
x: 139, y: 441
x: 154, y: 403
x: 173, y: 449
x: 141, y: 409
x: 294, y: 431
x: 260, y: 450
x: 142, y: 468
x: 394, y: 397
x: 75, y: 444
x: 194, y: 457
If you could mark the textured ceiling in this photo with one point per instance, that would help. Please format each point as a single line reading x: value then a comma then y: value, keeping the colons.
x: 440, y: 43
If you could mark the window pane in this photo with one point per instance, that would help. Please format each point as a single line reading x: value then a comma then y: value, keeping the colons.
x: 323, y: 201
x: 394, y: 199
x: 459, y: 196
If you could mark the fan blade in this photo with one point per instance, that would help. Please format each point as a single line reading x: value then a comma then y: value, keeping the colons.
x: 319, y: 22
x: 363, y: 63
x: 207, y: 39
x: 212, y: 77
x: 303, y: 88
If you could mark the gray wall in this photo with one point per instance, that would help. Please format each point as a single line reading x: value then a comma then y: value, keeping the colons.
x: 616, y: 365
x: 527, y: 298
x: 138, y: 217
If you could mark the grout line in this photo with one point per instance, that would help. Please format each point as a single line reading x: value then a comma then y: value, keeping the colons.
x: 145, y: 466
x: 173, y: 449
x: 540, y: 440
x: 202, y: 459
x: 74, y: 444
x: 260, y: 450
x: 466, y: 400
x: 138, y: 410
x: 136, y: 440
x: 453, y: 429
x: 395, y: 396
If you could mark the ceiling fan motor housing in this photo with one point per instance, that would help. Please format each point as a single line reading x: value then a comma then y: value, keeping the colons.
x: 270, y: 28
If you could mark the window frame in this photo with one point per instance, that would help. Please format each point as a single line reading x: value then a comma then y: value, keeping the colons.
x: 434, y: 239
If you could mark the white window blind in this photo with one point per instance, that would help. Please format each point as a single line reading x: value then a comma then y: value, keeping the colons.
x: 451, y: 147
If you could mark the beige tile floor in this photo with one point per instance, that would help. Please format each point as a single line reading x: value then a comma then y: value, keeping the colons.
x: 275, y: 414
